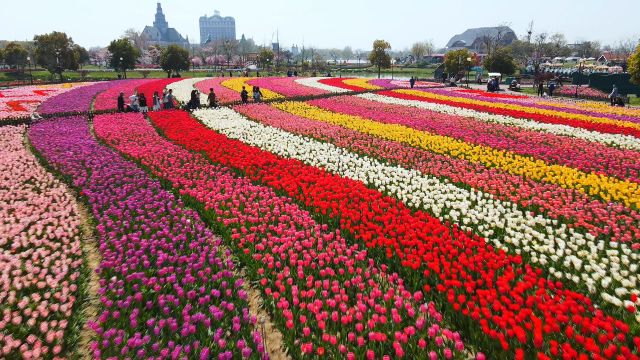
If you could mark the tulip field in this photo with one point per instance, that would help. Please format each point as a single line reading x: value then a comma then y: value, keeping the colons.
x: 371, y: 219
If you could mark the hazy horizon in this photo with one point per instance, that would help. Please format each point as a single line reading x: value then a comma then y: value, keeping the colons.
x: 323, y: 24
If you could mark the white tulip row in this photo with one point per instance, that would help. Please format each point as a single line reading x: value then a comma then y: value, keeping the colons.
x: 615, y: 140
x: 595, y: 265
x: 315, y: 83
x: 182, y: 89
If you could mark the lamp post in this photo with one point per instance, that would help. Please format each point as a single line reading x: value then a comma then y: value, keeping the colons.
x: 468, y: 69
x: 30, y: 73
x: 124, y: 71
x: 58, y: 63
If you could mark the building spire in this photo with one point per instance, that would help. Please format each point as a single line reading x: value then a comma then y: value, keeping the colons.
x: 160, y: 23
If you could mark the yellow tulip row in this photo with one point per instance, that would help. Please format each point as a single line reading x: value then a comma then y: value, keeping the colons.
x: 363, y: 83
x: 529, y: 110
x: 601, y: 186
x: 236, y: 84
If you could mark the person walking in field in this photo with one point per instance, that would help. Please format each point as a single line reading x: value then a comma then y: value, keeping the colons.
x: 143, y: 103
x: 244, y: 95
x: 541, y: 88
x: 257, y: 94
x: 412, y: 82
x: 614, y: 95
x: 211, y: 99
x: 156, y: 101
x: 121, y: 102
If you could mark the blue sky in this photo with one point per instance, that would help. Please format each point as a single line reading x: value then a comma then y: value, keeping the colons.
x: 326, y: 23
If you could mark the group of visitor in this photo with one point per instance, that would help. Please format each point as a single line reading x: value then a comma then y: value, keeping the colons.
x: 551, y: 87
x: 257, y: 94
x: 195, y: 103
x: 615, y: 97
x: 139, y: 102
x: 493, y: 84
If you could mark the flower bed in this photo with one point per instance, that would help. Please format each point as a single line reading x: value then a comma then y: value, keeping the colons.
x: 23, y: 101
x: 571, y: 207
x: 606, y: 188
x: 394, y: 84
x: 422, y: 245
x: 40, y: 256
x: 76, y: 100
x: 108, y: 99
x: 583, y: 92
x: 316, y: 82
x: 615, y: 140
x: 287, y: 86
x: 579, y: 154
x: 329, y: 298
x: 588, y: 122
x: 236, y: 84
x: 224, y: 95
x: 166, y: 286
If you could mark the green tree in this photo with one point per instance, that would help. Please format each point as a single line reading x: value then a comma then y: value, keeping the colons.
x: 265, y: 57
x: 15, y: 54
x: 379, y: 56
x: 174, y: 59
x: 83, y: 54
x: 54, y: 52
x: 457, y: 61
x: 633, y: 66
x: 500, y: 61
x: 123, y: 55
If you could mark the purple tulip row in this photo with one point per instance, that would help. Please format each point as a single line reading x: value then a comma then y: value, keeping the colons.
x: 167, y: 288
x: 76, y: 100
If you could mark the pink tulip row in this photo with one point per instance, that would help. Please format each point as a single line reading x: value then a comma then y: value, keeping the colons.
x: 223, y: 94
x: 108, y: 99
x: 329, y: 298
x: 286, y: 86
x: 581, y: 154
x: 40, y: 255
x: 167, y: 289
x: 611, y: 220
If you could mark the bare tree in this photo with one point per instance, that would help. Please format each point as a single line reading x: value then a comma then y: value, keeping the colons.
x: 137, y: 39
x: 418, y: 50
x: 493, y: 39
x: 347, y: 53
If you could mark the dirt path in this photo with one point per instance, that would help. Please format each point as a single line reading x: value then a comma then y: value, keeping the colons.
x: 92, y: 303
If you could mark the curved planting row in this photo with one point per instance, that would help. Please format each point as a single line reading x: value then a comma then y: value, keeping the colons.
x: 394, y: 84
x: 490, y: 292
x: 223, y: 93
x: 613, y: 140
x: 182, y: 89
x: 23, y: 101
x: 287, y: 86
x: 568, y: 206
x: 579, y: 154
x: 236, y: 84
x: 74, y: 101
x: 329, y: 297
x: 571, y: 254
x: 599, y: 186
x: 535, y: 103
x: 167, y: 289
x: 316, y: 82
x: 599, y: 124
x: 108, y: 99
x: 40, y: 256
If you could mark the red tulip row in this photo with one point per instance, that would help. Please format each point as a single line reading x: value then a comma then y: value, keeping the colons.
x: 492, y: 291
